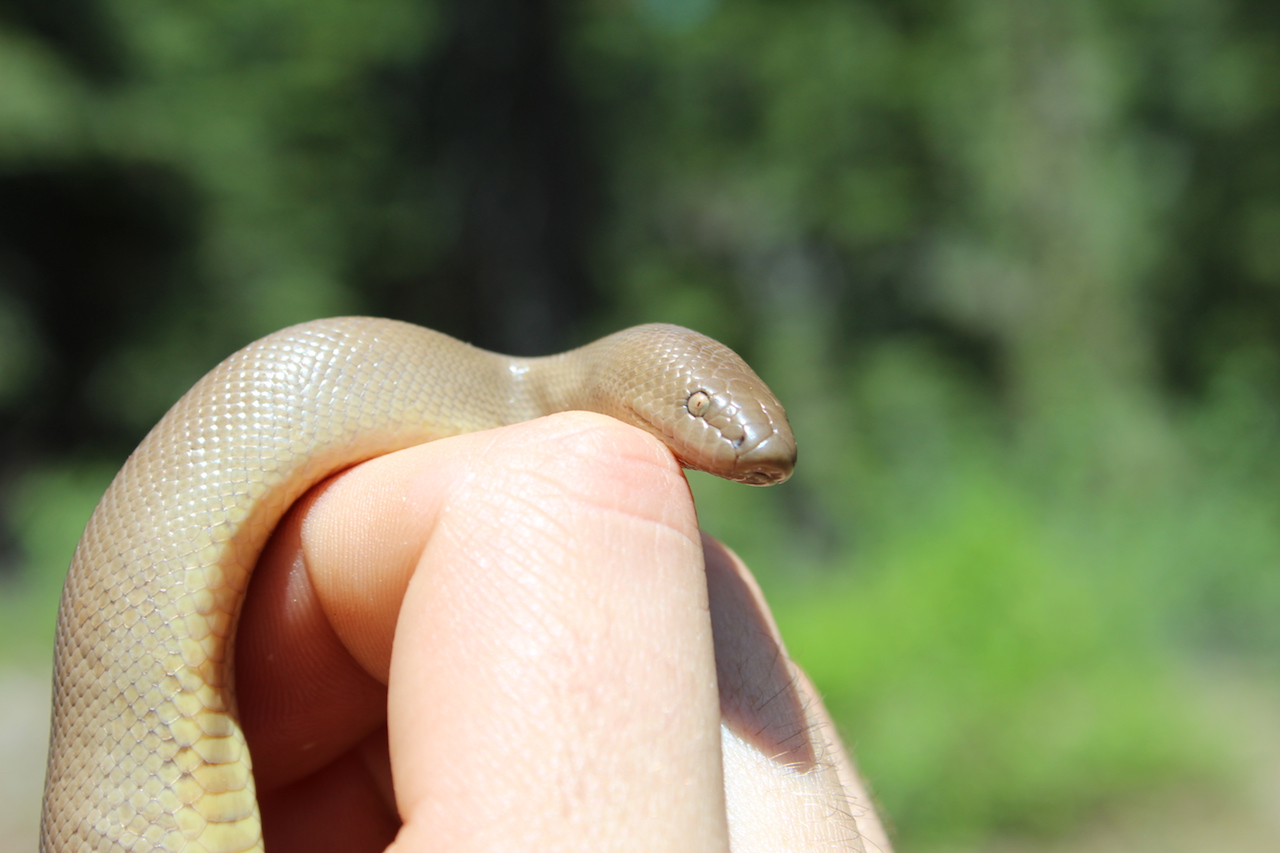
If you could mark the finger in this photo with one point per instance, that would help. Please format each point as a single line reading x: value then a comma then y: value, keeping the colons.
x: 789, y: 783
x: 345, y: 806
x: 314, y: 717
x: 552, y: 678
x: 304, y: 698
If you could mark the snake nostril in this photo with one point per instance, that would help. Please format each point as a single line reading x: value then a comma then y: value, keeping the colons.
x: 755, y: 434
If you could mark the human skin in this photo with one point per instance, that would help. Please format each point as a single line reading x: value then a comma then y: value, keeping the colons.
x: 519, y: 640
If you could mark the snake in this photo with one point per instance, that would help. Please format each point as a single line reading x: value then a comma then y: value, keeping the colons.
x: 146, y: 751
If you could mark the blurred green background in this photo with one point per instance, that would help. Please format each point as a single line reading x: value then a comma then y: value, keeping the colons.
x: 1012, y: 265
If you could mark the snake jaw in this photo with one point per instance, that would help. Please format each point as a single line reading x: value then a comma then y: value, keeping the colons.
x: 768, y: 463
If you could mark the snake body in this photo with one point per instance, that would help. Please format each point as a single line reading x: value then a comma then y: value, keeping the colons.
x: 146, y: 752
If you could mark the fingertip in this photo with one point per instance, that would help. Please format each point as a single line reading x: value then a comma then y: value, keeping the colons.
x: 588, y: 458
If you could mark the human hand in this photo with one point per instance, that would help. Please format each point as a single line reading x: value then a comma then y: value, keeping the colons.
x: 515, y: 627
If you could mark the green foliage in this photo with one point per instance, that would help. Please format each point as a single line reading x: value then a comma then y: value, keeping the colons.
x: 991, y: 655
x: 52, y: 507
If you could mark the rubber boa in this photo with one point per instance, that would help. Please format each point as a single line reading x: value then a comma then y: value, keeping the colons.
x: 146, y: 752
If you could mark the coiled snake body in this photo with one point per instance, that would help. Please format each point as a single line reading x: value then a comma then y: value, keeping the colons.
x: 146, y: 752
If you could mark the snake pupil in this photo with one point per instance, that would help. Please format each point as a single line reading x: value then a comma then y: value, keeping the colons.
x: 698, y: 403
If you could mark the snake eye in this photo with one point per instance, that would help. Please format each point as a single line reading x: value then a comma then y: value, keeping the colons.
x: 698, y: 403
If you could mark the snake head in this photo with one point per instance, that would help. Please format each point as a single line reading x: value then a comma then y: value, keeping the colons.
x: 701, y: 399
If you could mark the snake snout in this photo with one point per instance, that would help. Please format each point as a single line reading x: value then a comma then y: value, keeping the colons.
x: 769, y: 462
